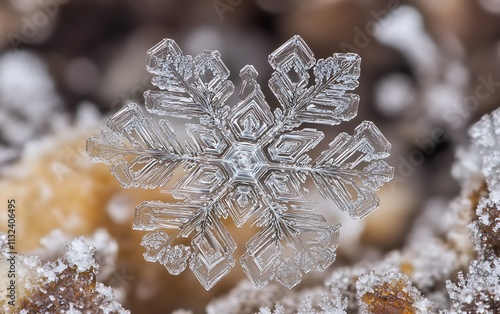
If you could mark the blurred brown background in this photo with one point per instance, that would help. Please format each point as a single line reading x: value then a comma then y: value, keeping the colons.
x: 430, y: 69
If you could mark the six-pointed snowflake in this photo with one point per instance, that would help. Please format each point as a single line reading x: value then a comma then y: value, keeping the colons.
x: 245, y: 162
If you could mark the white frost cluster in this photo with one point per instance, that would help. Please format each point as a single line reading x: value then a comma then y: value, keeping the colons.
x: 488, y: 217
x: 367, y: 283
x: 477, y: 291
x: 485, y: 136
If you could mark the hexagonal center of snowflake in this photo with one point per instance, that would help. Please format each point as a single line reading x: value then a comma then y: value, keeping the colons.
x: 245, y: 160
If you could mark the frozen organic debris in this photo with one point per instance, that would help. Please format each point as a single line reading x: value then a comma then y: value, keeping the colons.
x: 278, y: 309
x: 390, y: 293
x: 486, y: 139
x: 69, y: 285
x: 479, y: 290
x: 245, y: 162
x: 244, y: 298
x: 486, y: 229
x: 7, y: 154
x: 428, y: 265
x: 106, y: 249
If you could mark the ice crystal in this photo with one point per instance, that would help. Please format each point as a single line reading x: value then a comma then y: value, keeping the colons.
x: 479, y: 290
x: 69, y: 285
x: 485, y: 137
x: 330, y: 303
x: 245, y: 162
x: 390, y: 293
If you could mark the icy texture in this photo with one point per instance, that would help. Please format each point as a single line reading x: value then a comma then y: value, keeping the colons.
x: 423, y: 273
x: 479, y: 290
x: 390, y: 293
x: 245, y: 162
x: 106, y: 249
x: 80, y: 254
x: 485, y: 136
x: 69, y: 285
x: 332, y: 303
x: 28, y: 98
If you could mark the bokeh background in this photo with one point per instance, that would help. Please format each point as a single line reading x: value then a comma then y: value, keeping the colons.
x: 430, y: 69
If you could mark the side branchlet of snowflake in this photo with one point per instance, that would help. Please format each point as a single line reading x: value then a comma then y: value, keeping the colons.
x: 485, y: 136
x: 244, y: 162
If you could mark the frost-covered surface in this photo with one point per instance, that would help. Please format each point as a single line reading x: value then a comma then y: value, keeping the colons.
x: 274, y: 298
x: 426, y: 265
x: 106, y: 249
x: 245, y: 162
x: 67, y: 285
x: 86, y: 122
x: 330, y: 303
x: 486, y: 139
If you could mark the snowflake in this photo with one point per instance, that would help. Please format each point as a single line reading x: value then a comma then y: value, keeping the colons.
x: 244, y: 162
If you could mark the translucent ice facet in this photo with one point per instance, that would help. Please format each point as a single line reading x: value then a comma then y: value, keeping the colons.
x: 290, y: 146
x: 242, y: 203
x: 294, y: 52
x: 154, y: 215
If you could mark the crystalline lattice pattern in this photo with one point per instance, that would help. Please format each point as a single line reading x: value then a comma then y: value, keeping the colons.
x: 244, y: 162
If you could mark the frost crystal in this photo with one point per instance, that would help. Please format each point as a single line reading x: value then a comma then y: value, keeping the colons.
x: 479, y: 290
x: 332, y: 303
x: 245, y: 161
x: 485, y: 137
